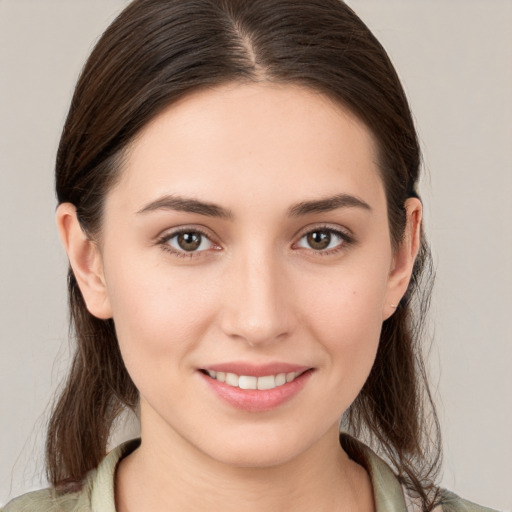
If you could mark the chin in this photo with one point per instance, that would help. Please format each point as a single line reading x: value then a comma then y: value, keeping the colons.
x: 261, y: 448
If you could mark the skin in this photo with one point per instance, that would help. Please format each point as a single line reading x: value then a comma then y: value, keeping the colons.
x: 255, y: 291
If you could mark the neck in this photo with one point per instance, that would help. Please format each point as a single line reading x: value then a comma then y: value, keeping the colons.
x: 167, y: 473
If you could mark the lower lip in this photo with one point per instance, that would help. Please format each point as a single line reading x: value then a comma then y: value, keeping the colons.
x: 255, y: 400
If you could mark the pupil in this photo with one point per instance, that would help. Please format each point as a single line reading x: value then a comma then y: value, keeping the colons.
x: 319, y: 239
x: 189, y: 241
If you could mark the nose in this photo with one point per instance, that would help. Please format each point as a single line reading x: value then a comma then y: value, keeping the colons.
x: 257, y: 300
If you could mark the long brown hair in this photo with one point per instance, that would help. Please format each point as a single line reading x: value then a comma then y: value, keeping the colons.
x: 156, y: 52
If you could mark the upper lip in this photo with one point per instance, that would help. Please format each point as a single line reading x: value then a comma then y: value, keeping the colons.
x: 256, y: 370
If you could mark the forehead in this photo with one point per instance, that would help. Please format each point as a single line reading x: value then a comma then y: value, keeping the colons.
x: 242, y: 140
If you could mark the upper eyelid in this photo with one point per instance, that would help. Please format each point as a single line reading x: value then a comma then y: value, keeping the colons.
x: 208, y: 233
x: 345, y: 232
x: 171, y: 232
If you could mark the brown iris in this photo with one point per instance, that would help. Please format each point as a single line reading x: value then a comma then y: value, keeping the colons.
x: 319, y: 240
x: 189, y: 241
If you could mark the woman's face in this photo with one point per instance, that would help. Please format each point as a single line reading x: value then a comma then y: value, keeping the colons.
x: 248, y: 236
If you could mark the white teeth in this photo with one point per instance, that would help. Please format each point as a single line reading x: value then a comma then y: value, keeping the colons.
x: 267, y: 382
x: 280, y: 379
x: 251, y: 382
x: 232, y: 379
x: 290, y: 376
x: 245, y: 382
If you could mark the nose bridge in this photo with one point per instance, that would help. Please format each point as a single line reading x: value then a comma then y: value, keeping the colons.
x: 256, y: 304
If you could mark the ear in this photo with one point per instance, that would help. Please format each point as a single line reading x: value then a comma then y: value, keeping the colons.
x: 404, y: 257
x: 85, y: 260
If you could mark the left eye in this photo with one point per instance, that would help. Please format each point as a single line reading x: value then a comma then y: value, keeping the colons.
x: 189, y: 241
x: 321, y: 240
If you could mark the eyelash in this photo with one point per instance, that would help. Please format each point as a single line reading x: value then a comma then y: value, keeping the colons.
x: 163, y: 242
x: 345, y: 240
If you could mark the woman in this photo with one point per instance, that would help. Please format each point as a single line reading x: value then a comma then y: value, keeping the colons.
x: 237, y: 198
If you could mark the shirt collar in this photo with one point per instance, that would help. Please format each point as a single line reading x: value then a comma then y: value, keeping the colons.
x: 387, y: 491
x: 102, y: 481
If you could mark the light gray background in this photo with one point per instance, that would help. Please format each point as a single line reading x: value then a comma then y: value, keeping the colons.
x: 454, y: 57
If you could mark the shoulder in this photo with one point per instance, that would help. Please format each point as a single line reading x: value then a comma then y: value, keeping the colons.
x: 48, y: 500
x: 389, y: 494
x: 452, y: 503
x: 96, y: 492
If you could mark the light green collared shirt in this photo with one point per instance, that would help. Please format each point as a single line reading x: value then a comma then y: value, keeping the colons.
x: 97, y: 492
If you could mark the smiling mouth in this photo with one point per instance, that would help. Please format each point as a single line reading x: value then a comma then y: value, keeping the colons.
x: 264, y: 382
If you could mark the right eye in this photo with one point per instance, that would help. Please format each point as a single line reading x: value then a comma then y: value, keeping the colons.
x: 187, y: 243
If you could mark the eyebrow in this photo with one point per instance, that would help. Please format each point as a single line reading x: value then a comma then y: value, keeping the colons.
x: 184, y: 204
x: 327, y: 204
x: 189, y: 205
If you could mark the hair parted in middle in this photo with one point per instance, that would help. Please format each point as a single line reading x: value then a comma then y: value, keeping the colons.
x: 153, y: 54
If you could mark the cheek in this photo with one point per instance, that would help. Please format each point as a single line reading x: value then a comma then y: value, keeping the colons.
x: 157, y: 314
x: 346, y: 303
x: 351, y: 345
x: 350, y: 335
x: 345, y: 316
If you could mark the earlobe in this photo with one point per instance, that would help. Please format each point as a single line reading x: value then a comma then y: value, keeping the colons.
x: 85, y: 260
x: 404, y: 258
